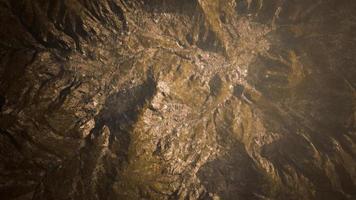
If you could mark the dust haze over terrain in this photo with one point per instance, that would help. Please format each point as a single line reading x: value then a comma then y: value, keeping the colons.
x: 178, y: 99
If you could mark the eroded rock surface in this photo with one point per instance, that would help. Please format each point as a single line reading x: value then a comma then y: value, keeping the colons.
x: 178, y: 99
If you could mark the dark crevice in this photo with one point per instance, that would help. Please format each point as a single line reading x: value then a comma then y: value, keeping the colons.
x: 172, y: 6
x: 238, y: 90
x: 11, y: 138
x: 2, y: 102
x: 122, y: 110
x: 207, y: 40
x: 215, y: 85
x: 119, y: 13
x: 237, y: 174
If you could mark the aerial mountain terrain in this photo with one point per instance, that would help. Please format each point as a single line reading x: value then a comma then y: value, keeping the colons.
x: 177, y: 100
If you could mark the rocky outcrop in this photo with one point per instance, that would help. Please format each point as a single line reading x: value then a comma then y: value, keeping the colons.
x: 179, y: 99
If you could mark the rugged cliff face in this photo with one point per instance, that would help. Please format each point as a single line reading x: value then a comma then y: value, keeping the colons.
x: 178, y: 99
